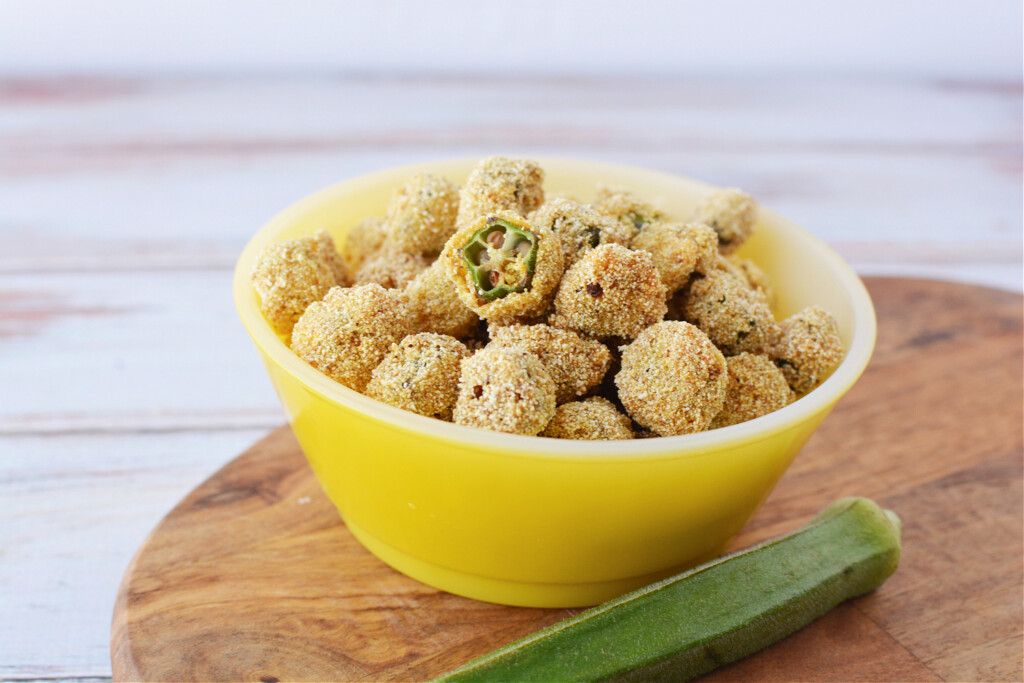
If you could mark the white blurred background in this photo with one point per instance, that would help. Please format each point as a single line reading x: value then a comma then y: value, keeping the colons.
x: 936, y: 38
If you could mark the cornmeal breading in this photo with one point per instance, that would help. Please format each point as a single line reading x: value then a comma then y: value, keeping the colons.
x: 488, y: 306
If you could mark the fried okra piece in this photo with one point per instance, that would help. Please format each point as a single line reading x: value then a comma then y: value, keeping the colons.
x: 808, y: 348
x: 292, y: 274
x: 421, y: 214
x: 505, y: 390
x: 611, y: 292
x: 734, y: 316
x: 420, y: 374
x: 391, y: 270
x: 503, y: 267
x: 673, y: 380
x: 756, y: 387
x: 348, y: 333
x: 437, y: 307
x: 499, y: 184
x: 364, y: 241
x: 626, y: 208
x: 576, y: 364
x: 731, y: 214
x: 593, y: 419
x: 755, y: 277
x: 579, y: 227
x: 679, y: 250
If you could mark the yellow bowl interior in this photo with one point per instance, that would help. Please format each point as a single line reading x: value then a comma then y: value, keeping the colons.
x: 544, y: 522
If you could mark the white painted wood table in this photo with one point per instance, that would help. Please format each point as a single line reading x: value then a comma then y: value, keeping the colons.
x: 125, y: 376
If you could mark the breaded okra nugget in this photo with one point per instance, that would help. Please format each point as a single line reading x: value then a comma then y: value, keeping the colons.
x: 505, y: 390
x: 756, y: 387
x: 592, y: 419
x: 673, y: 379
x: 500, y: 184
x: 755, y: 277
x: 626, y: 208
x: 611, y: 292
x: 391, y: 270
x: 503, y: 267
x: 576, y: 365
x: 421, y: 214
x: 364, y: 241
x: 437, y: 307
x: 735, y: 317
x: 679, y: 250
x: 420, y: 374
x: 291, y: 274
x: 808, y: 348
x: 346, y: 335
x: 579, y: 227
x: 731, y: 214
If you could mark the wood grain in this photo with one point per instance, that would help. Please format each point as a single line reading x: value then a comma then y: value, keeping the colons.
x: 254, y: 577
x: 890, y: 172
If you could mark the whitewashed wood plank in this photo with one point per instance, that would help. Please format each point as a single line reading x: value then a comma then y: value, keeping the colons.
x: 199, y: 213
x: 155, y: 351
x: 128, y: 174
x: 73, y: 510
x: 132, y: 117
x: 999, y: 276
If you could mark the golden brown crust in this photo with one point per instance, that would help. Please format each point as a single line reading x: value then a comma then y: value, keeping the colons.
x: 633, y: 213
x: 679, y: 250
x: 755, y: 388
x: 734, y: 316
x: 391, y: 270
x: 500, y: 184
x: 592, y: 419
x: 673, y: 379
x: 505, y: 390
x: 421, y: 214
x: 420, y: 374
x: 437, y: 307
x: 808, y: 348
x: 347, y: 334
x: 755, y: 277
x: 579, y: 227
x: 611, y: 292
x: 335, y: 261
x: 291, y: 274
x: 534, y: 300
x: 576, y: 364
x: 364, y: 240
x: 730, y: 213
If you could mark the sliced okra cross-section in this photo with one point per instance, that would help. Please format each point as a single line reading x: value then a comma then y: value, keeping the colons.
x: 501, y: 258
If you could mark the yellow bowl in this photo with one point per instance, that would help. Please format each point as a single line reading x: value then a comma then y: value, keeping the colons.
x: 535, y: 521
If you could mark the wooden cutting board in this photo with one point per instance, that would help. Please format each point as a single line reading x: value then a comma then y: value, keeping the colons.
x: 253, y: 576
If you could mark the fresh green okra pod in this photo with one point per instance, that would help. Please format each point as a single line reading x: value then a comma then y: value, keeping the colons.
x: 714, y: 614
x: 501, y: 258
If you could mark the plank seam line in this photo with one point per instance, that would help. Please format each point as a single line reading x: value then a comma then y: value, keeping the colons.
x: 897, y: 642
x: 8, y: 432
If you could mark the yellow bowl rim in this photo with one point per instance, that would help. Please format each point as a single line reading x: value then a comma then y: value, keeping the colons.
x: 818, y: 400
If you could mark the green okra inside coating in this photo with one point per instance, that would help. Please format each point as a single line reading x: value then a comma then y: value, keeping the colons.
x: 501, y: 258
